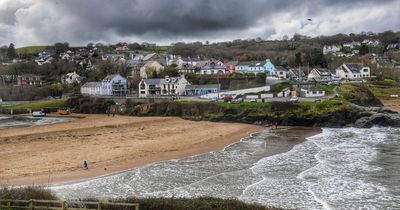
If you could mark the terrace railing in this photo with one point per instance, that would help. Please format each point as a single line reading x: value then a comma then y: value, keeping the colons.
x: 63, y: 205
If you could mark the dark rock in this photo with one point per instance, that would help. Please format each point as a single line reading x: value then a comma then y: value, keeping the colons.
x: 378, y: 119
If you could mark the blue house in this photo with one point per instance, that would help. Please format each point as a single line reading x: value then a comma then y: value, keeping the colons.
x: 269, y: 67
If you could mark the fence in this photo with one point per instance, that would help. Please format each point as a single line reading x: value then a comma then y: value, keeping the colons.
x: 63, y: 205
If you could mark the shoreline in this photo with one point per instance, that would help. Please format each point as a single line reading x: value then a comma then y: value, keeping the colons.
x: 217, y: 136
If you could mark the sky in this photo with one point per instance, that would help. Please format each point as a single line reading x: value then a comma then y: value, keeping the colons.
x: 78, y: 22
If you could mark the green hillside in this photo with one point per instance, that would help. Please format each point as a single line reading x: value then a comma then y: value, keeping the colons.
x: 31, y: 49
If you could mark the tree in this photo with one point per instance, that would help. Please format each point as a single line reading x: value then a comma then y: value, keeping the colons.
x: 171, y: 71
x: 61, y: 47
x: 90, y: 45
x: 364, y: 49
x: 11, y: 53
x: 298, y: 61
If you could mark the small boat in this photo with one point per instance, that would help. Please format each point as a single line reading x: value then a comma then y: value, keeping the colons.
x: 63, y: 111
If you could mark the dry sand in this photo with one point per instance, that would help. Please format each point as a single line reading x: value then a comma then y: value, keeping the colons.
x: 392, y: 104
x: 55, y: 153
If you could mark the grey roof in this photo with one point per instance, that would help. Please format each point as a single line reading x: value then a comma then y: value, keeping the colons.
x: 92, y: 84
x: 172, y: 80
x: 152, y: 81
x: 148, y: 56
x: 280, y: 68
x: 245, y: 63
x: 355, y: 67
x: 324, y: 71
x: 111, y: 76
x: 252, y: 63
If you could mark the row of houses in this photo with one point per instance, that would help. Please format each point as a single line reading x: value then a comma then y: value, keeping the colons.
x: 174, y: 86
x: 346, y: 71
x: 111, y: 85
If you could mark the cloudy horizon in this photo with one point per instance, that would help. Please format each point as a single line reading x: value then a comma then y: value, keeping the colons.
x: 32, y: 22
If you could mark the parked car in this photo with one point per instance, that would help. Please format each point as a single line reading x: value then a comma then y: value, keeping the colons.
x: 294, y: 99
x: 215, y: 99
x: 237, y: 100
x: 228, y: 98
x: 253, y: 100
x: 38, y: 114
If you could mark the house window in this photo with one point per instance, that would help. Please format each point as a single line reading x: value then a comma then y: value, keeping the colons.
x: 142, y: 92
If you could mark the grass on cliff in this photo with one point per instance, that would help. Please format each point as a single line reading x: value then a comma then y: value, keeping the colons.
x: 38, y: 105
x: 203, y: 203
x: 359, y: 94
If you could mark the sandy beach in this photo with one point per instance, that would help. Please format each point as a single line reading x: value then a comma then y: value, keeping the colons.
x: 54, y: 153
x: 392, y: 104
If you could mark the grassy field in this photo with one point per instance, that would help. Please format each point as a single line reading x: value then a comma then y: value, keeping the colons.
x: 38, y: 105
x: 31, y: 49
x: 327, y: 88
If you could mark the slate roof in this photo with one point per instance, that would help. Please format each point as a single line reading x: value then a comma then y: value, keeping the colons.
x: 148, y: 56
x: 354, y: 67
x: 111, y: 76
x: 280, y: 68
x: 92, y: 84
x: 152, y: 81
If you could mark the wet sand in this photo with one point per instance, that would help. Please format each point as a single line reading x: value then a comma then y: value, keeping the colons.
x: 54, y: 153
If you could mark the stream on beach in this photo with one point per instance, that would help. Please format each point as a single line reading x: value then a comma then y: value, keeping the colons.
x: 10, y: 121
x: 341, y: 168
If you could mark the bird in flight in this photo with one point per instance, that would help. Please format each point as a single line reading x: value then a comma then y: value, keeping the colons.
x: 309, y: 19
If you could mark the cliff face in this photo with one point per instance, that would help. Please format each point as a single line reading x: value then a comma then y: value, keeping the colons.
x: 323, y: 114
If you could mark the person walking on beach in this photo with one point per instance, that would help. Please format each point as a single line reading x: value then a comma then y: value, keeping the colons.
x: 85, y: 164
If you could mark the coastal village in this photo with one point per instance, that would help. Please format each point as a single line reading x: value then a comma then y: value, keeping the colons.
x: 127, y: 72
x: 199, y: 105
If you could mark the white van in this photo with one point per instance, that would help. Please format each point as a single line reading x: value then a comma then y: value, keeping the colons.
x: 38, y: 114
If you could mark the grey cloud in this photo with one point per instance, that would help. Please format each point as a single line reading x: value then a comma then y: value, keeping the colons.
x: 78, y: 22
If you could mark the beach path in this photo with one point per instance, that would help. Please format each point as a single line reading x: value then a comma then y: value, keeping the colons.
x: 54, y: 153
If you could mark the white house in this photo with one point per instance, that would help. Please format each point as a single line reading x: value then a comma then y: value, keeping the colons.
x: 352, y: 44
x: 330, y: 49
x: 311, y: 92
x: 353, y: 71
x: 321, y: 74
x: 256, y: 67
x: 91, y: 89
x: 281, y: 73
x: 168, y: 86
x: 71, y: 78
x: 111, y: 85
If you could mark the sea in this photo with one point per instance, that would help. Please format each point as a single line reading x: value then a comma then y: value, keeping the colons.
x: 340, y: 168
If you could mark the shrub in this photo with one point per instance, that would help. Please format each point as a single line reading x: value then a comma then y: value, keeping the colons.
x: 26, y: 193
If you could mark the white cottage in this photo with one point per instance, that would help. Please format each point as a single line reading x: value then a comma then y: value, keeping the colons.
x: 168, y: 86
x: 353, y: 71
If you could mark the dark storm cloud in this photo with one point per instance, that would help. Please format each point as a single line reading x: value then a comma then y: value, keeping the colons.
x: 81, y: 21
